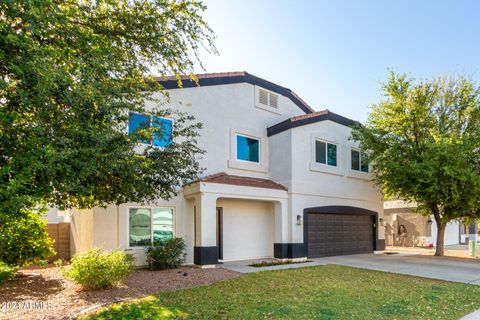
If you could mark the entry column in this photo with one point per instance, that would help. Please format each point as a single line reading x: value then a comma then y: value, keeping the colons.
x: 205, y: 251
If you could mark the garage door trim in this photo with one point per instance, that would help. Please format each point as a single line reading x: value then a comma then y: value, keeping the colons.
x: 378, y: 244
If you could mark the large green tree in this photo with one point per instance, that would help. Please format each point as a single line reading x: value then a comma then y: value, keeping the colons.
x: 70, y: 71
x: 423, y: 140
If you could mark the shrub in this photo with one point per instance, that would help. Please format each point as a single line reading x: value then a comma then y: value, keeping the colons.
x: 6, y: 272
x: 58, y: 263
x: 95, y: 269
x: 24, y: 239
x: 167, y: 254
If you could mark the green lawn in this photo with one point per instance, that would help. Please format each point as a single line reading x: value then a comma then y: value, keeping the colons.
x: 323, y: 292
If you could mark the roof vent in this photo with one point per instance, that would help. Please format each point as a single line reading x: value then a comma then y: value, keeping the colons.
x: 267, y: 98
x: 263, y: 96
x: 273, y: 100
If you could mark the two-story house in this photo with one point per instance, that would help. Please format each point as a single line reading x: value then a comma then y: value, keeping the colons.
x: 281, y: 181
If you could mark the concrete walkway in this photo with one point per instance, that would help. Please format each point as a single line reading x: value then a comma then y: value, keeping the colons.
x: 416, y: 265
x: 409, y: 264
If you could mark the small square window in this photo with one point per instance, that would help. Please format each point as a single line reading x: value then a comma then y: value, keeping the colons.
x: 248, y: 149
x: 326, y: 153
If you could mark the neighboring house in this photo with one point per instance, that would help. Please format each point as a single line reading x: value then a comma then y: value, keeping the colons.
x: 281, y: 181
x: 405, y: 227
x: 54, y: 216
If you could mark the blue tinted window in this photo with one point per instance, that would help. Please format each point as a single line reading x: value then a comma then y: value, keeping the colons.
x: 247, y: 149
x: 137, y: 121
x: 162, y: 138
x: 332, y: 154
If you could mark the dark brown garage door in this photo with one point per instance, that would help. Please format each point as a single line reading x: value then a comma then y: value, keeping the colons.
x: 339, y: 234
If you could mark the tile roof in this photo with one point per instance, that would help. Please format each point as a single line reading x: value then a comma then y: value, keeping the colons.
x: 302, y: 120
x: 224, y: 178
x: 213, y: 79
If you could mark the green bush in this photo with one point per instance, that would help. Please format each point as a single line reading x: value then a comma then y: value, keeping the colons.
x: 24, y: 239
x: 167, y: 254
x: 95, y: 269
x: 6, y: 272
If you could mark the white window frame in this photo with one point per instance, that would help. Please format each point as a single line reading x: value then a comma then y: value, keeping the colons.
x: 151, y: 208
x: 151, y: 116
x: 326, y: 152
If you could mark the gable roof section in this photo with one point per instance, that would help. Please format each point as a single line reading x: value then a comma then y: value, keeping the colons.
x: 224, y: 178
x: 215, y: 79
x: 314, y: 117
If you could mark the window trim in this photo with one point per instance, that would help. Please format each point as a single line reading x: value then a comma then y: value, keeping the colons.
x: 359, y: 161
x: 235, y: 164
x: 326, y: 152
x: 150, y: 115
x: 259, y: 148
x: 151, y: 208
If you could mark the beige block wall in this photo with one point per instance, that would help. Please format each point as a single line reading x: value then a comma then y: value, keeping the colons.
x: 81, y: 230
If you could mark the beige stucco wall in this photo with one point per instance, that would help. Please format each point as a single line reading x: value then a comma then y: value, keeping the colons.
x: 313, y: 185
x: 286, y: 158
x: 81, y: 231
x: 225, y: 110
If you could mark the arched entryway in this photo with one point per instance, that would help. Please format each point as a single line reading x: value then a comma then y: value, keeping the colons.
x: 340, y: 230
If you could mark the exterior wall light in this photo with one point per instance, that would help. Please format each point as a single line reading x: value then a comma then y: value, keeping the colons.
x: 299, y: 220
x: 381, y: 222
x: 429, y: 221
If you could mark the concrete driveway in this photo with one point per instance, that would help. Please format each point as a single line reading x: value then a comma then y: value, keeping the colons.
x: 416, y: 265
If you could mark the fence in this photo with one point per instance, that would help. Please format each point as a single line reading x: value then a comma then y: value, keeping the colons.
x: 60, y: 232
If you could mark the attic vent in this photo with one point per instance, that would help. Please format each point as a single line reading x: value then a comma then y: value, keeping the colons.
x: 263, y: 97
x: 268, y: 98
x: 273, y: 100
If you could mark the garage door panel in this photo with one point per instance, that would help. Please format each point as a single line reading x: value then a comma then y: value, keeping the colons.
x: 337, y: 234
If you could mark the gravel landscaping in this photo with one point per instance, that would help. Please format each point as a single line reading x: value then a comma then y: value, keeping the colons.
x: 46, y: 294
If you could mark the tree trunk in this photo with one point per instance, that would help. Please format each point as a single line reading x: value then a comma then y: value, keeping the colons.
x: 440, y: 249
x: 440, y: 239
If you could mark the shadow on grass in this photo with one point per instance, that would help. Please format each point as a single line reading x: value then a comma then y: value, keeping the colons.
x: 148, y: 308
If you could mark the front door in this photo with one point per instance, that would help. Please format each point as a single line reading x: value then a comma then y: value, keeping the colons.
x: 220, y: 233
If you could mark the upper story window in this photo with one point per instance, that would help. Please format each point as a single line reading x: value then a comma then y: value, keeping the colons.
x: 268, y: 98
x: 359, y: 161
x: 248, y: 149
x: 163, y: 138
x: 149, y: 225
x: 326, y: 153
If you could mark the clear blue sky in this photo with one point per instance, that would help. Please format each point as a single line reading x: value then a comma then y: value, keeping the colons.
x: 334, y: 54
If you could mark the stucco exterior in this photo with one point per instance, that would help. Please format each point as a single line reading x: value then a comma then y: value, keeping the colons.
x: 254, y: 219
